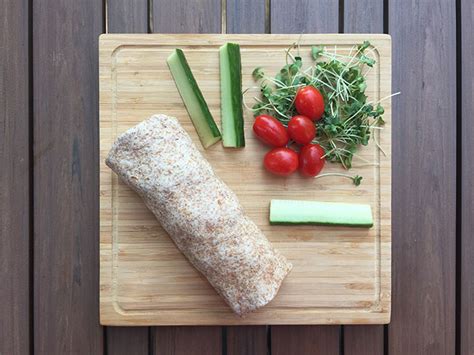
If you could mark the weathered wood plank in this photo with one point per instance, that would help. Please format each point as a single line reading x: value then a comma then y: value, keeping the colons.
x: 246, y: 340
x: 127, y: 340
x: 65, y: 71
x: 467, y: 197
x: 14, y: 178
x: 245, y: 16
x: 305, y: 16
x: 305, y: 340
x: 424, y: 184
x: 180, y: 16
x: 363, y: 340
x: 188, y: 341
x: 363, y: 16
x: 125, y: 16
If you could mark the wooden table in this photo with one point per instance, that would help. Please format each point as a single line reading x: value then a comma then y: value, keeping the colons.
x: 49, y: 176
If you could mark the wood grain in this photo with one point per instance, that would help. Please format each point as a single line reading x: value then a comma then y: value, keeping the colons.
x: 188, y: 341
x: 246, y: 340
x: 181, y: 16
x: 467, y: 189
x: 340, y: 275
x: 245, y: 16
x: 304, y: 16
x: 177, y: 16
x: 363, y: 340
x: 363, y: 16
x: 126, y: 16
x: 424, y: 184
x: 127, y: 340
x: 300, y: 17
x: 66, y: 255
x: 14, y: 179
x: 305, y: 340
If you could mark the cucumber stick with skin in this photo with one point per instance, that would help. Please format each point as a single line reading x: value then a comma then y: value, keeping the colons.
x: 231, y: 96
x: 320, y: 213
x: 193, y: 99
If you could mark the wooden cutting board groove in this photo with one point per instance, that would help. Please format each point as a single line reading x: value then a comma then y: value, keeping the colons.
x: 340, y: 275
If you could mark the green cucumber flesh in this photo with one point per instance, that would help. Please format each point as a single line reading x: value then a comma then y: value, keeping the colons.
x: 193, y: 99
x: 320, y: 213
x: 231, y: 96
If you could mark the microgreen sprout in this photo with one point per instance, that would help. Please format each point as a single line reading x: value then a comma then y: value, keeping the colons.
x: 356, y: 179
x: 349, y: 118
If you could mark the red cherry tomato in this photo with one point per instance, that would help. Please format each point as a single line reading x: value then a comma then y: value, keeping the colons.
x: 309, y: 102
x: 281, y: 161
x: 270, y: 131
x: 301, y: 129
x: 311, y: 160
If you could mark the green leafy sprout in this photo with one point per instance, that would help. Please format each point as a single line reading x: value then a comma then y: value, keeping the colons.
x: 349, y: 118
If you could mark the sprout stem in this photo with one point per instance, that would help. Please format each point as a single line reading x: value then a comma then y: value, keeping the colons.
x: 356, y: 179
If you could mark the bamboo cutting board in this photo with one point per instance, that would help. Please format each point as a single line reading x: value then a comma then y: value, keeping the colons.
x: 340, y: 275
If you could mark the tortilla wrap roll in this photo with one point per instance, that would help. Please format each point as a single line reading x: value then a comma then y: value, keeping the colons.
x: 203, y: 217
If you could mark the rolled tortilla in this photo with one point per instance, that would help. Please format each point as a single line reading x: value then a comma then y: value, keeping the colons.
x: 201, y: 214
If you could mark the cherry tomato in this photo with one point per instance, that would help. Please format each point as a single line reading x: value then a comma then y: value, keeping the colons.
x: 270, y: 131
x: 281, y: 161
x: 309, y: 102
x: 311, y: 160
x: 301, y: 129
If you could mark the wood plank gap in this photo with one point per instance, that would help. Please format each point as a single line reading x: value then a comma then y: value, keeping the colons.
x: 341, y: 329
x: 105, y: 15
x: 341, y: 16
x: 224, y: 340
x: 268, y: 18
x: 31, y: 172
x: 150, y: 16
x: 269, y: 340
x: 459, y: 200
x: 151, y: 341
